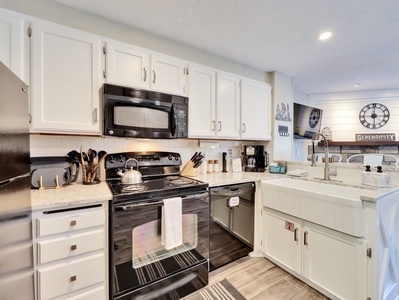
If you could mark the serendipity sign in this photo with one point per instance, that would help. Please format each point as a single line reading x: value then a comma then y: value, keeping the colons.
x: 378, y: 137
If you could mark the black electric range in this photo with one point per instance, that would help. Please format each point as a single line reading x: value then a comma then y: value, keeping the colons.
x: 160, y: 172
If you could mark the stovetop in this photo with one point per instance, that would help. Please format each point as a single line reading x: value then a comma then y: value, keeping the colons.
x: 161, y: 176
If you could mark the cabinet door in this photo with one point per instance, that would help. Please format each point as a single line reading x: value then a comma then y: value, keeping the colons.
x: 281, y: 238
x: 127, y: 65
x: 168, y: 74
x: 335, y: 261
x: 202, y: 101
x: 255, y: 110
x: 228, y: 106
x: 14, y: 44
x: 66, y: 79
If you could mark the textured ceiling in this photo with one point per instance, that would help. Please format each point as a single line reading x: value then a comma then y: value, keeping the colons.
x: 278, y: 35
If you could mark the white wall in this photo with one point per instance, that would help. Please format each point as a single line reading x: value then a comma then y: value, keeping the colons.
x: 341, y: 112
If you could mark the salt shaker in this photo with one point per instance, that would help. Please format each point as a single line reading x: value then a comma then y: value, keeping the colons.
x: 210, y: 166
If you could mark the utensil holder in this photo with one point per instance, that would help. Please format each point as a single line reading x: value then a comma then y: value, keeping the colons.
x: 91, y: 174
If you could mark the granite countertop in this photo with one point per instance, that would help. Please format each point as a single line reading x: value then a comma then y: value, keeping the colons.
x: 79, y: 194
x: 218, y: 179
x: 70, y: 195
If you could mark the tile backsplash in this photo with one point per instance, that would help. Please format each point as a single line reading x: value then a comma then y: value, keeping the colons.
x: 49, y: 145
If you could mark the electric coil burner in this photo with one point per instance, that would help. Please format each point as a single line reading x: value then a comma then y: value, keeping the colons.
x: 142, y: 266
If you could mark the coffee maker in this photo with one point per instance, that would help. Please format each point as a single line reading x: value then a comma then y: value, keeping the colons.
x: 256, y: 159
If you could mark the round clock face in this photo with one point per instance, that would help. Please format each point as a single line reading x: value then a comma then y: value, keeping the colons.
x: 374, y: 115
x: 314, y: 117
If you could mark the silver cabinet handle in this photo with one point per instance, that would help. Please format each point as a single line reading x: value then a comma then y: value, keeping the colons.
x: 243, y: 127
x: 213, y: 125
x: 305, y: 238
x: 220, y: 125
x: 296, y: 234
x: 145, y: 74
x: 95, y: 115
x: 154, y: 73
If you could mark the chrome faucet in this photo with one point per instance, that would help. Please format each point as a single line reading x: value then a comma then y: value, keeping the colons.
x: 327, y: 172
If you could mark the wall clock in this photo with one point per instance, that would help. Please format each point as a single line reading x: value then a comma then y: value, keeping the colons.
x: 374, y: 115
x: 314, y: 117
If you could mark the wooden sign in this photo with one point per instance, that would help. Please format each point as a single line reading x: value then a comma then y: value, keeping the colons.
x: 375, y: 137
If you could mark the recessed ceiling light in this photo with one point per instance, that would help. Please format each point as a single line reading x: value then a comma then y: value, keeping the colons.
x: 325, y: 35
x: 357, y: 84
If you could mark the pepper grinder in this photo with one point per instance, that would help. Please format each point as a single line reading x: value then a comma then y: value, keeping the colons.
x: 224, y: 162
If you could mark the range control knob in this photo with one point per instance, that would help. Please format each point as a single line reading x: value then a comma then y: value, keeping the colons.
x: 177, y: 157
x: 121, y: 159
x: 111, y: 159
x: 170, y: 156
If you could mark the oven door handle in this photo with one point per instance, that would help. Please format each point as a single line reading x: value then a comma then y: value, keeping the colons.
x: 158, y: 203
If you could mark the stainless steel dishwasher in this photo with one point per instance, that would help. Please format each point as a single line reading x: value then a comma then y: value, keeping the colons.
x: 231, y: 223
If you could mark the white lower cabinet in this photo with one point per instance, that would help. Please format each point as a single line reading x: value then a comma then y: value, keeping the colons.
x: 70, y: 253
x: 334, y: 262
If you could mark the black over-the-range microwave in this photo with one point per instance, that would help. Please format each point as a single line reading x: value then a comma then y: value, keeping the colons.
x: 137, y: 113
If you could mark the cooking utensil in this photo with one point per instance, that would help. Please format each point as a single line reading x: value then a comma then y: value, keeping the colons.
x: 130, y: 176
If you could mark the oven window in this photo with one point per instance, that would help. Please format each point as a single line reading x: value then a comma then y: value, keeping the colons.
x: 141, y: 117
x: 148, y: 245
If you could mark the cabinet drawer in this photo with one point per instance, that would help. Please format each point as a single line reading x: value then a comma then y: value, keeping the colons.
x: 69, y: 277
x: 94, y: 294
x: 71, y: 246
x: 70, y: 222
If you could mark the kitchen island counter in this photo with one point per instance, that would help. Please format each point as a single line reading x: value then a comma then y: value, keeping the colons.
x: 70, y: 195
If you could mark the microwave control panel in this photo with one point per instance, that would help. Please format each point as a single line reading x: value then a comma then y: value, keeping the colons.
x: 181, y: 121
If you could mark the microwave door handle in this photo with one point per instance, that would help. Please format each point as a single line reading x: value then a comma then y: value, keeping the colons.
x: 173, y: 122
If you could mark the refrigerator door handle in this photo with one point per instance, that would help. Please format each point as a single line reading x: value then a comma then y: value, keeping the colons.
x: 11, y: 180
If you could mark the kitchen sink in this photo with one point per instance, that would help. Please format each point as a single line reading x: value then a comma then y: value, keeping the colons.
x: 331, y: 204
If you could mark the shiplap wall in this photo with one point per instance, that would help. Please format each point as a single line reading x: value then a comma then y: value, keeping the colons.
x: 341, y: 112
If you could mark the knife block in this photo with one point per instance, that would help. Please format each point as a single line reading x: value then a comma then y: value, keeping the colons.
x: 189, y: 170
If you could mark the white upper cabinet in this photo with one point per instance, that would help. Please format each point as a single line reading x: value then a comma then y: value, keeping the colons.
x: 66, y: 79
x: 168, y: 74
x: 227, y: 105
x: 255, y: 110
x: 138, y: 67
x: 14, y: 41
x: 202, y: 101
x: 127, y: 65
x: 214, y: 103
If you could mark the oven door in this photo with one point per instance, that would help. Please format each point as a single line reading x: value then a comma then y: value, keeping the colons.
x: 138, y: 118
x: 139, y: 255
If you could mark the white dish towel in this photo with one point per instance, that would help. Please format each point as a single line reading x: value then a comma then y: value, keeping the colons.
x: 172, y: 225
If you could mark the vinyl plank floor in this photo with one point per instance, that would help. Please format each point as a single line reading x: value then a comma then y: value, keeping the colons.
x: 256, y: 278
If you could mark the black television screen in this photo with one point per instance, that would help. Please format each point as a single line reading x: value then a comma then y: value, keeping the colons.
x: 307, y: 121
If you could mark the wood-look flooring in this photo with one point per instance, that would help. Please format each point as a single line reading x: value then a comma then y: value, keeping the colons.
x: 256, y: 278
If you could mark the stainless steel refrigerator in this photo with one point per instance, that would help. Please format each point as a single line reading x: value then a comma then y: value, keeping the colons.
x: 16, y: 249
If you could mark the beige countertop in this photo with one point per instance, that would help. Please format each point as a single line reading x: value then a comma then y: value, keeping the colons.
x: 70, y: 195
x: 79, y: 194
x: 217, y: 179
